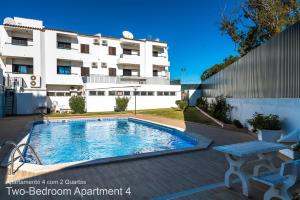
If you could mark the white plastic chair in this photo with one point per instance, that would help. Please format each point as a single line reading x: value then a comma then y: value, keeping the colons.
x: 55, y: 107
x: 280, y: 182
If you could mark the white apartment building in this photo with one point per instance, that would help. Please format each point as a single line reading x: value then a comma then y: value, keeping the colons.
x: 46, y: 66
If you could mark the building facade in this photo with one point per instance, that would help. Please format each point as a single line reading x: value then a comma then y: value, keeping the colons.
x: 46, y: 66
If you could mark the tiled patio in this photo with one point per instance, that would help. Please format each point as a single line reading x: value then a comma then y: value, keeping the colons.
x: 164, y: 176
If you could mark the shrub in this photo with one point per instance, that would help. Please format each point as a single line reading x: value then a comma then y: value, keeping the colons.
x: 182, y: 104
x: 122, y: 103
x: 237, y: 123
x: 77, y: 104
x: 202, y: 103
x: 219, y: 109
x: 267, y: 122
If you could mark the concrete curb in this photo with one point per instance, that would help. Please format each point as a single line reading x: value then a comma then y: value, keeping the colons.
x: 210, y: 117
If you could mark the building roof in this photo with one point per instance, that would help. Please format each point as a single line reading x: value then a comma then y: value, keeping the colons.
x: 68, y: 31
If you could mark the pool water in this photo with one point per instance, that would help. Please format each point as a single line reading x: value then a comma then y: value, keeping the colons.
x: 78, y: 140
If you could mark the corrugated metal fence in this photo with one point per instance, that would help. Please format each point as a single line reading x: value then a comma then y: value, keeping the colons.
x: 271, y: 70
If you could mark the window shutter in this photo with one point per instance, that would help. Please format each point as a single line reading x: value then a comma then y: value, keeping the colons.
x: 112, y: 51
x: 84, y: 48
x: 112, y: 71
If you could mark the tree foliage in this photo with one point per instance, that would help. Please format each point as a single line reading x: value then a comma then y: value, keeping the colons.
x: 253, y: 23
x: 256, y: 21
x: 182, y: 104
x: 218, y: 67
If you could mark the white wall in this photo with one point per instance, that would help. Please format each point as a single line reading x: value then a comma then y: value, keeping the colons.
x: 108, y: 103
x: 287, y: 109
x: 193, y: 96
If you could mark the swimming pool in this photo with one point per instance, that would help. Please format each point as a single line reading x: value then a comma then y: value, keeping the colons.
x: 67, y: 141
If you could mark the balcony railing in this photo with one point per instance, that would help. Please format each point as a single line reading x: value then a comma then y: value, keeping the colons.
x: 18, y: 49
x: 96, y: 78
x: 129, y: 59
x: 158, y: 81
x: 15, y: 83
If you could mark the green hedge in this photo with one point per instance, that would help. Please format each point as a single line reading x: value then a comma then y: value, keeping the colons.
x: 77, y: 104
x: 182, y: 104
x: 122, y: 103
x: 267, y: 122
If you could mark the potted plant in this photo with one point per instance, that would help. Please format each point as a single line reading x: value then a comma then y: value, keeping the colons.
x: 296, y: 151
x: 268, y: 127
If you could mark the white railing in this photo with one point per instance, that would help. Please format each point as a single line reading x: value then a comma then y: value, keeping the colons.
x: 129, y: 59
x: 15, y: 83
x: 158, y: 81
x: 97, y: 78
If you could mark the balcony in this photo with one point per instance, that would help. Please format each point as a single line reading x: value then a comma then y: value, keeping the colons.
x: 67, y: 47
x: 16, y: 49
x: 68, y: 54
x: 160, y: 61
x: 65, y: 79
x: 158, y: 81
x: 97, y: 78
x: 15, y: 83
x: 133, y: 79
x: 129, y: 59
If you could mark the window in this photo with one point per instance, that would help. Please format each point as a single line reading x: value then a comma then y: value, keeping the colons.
x: 127, y: 51
x: 137, y: 93
x: 150, y: 93
x: 85, y: 71
x: 126, y: 93
x: 63, y: 45
x: 126, y: 72
x: 166, y: 93
x: 155, y: 73
x: 68, y: 94
x: 63, y: 69
x: 172, y: 93
x: 22, y: 69
x: 143, y: 93
x: 84, y: 48
x: 19, y: 41
x: 50, y: 94
x: 160, y: 93
x: 119, y: 93
x: 155, y: 53
x: 111, y: 93
x: 112, y: 51
x: 100, y: 93
x: 60, y: 94
x: 92, y: 93
x: 112, y: 71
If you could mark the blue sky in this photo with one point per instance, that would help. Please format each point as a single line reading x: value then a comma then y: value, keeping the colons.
x: 191, y: 27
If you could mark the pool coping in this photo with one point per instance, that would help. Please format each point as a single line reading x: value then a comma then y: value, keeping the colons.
x: 203, y: 143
